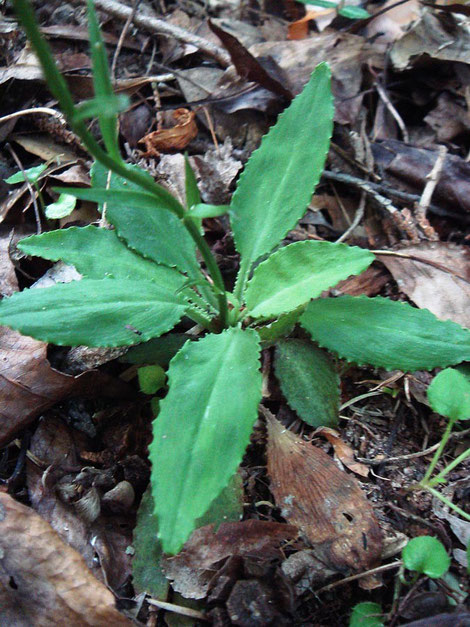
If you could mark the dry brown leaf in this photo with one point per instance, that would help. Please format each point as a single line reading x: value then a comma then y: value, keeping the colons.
x: 175, y: 138
x: 326, y: 504
x: 29, y: 385
x: 44, y: 581
x: 299, y: 29
x: 442, y: 285
x: 343, y: 451
x: 192, y: 570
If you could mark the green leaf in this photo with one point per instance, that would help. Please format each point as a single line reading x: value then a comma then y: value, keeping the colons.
x: 309, y: 382
x: 146, y: 566
x: 426, y: 555
x: 32, y: 174
x: 160, y: 350
x: 327, y: 4
x: 102, y: 83
x: 102, y: 107
x: 354, y: 13
x: 366, y: 614
x: 109, y: 312
x: 193, y: 197
x: 281, y: 327
x: 99, y: 254
x: 208, y: 211
x: 299, y: 272
x: 61, y: 208
x: 203, y: 428
x: 385, y: 333
x: 151, y: 379
x: 279, y: 179
x: 449, y: 394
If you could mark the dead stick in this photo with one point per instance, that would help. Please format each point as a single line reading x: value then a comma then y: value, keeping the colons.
x: 155, y: 25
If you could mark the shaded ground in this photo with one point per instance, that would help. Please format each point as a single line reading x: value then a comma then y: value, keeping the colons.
x: 75, y: 429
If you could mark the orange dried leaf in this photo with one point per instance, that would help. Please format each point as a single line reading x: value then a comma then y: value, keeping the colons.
x: 343, y: 451
x: 175, y: 138
x: 326, y: 504
x: 299, y: 28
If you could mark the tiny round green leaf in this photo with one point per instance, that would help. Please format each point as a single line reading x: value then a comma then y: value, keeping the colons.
x: 151, y: 379
x: 426, y: 555
x: 449, y: 394
x: 366, y: 614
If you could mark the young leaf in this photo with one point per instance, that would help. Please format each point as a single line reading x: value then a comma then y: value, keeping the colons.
x: 354, y: 13
x: 109, y: 312
x: 385, y: 333
x: 299, y: 272
x: 99, y: 254
x: 308, y: 381
x: 103, y: 107
x: 102, y: 83
x: 208, y: 211
x: 281, y: 327
x: 449, y: 394
x: 203, y: 428
x: 61, y: 208
x: 32, y: 174
x: 279, y: 179
x: 366, y: 614
x: 151, y: 379
x: 426, y: 555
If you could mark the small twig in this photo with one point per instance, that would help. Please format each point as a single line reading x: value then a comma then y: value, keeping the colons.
x: 396, y: 116
x: 422, y: 206
x: 161, y: 27
x: 373, y: 571
x: 434, y: 264
x: 357, y: 218
x: 43, y: 110
x: 30, y: 188
x: 178, y: 609
x: 122, y: 37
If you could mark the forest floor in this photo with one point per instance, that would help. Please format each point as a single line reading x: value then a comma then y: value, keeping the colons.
x: 75, y: 428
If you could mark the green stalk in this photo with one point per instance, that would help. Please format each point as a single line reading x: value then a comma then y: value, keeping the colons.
x: 448, y: 502
x: 424, y: 481
x: 458, y: 460
x: 60, y: 91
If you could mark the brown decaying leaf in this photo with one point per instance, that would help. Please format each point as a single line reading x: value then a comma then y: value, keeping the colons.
x: 442, y: 285
x: 300, y: 28
x: 44, y: 581
x: 343, y: 451
x: 192, y: 570
x: 29, y: 385
x: 326, y: 504
x: 175, y: 138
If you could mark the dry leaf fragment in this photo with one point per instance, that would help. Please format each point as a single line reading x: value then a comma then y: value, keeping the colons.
x: 191, y: 570
x: 29, y: 385
x: 43, y: 580
x: 343, y: 451
x: 326, y: 504
x: 175, y: 138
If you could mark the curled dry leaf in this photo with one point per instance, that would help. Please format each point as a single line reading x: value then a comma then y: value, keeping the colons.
x: 29, y: 385
x: 44, y: 580
x: 343, y: 451
x: 326, y: 504
x: 191, y: 570
x: 175, y: 138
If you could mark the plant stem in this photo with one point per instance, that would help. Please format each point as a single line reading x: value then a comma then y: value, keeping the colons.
x: 448, y: 502
x: 458, y: 460
x: 200, y: 318
x: 59, y: 89
x: 424, y: 481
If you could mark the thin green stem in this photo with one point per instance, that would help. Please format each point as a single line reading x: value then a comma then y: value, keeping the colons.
x: 437, y: 454
x: 59, y: 89
x: 212, y: 268
x: 458, y: 460
x: 448, y: 502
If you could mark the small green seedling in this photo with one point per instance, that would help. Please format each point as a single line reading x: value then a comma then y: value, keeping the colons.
x: 426, y: 555
x: 448, y: 395
x: 366, y: 614
x: 351, y: 12
x: 143, y: 276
